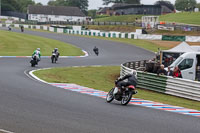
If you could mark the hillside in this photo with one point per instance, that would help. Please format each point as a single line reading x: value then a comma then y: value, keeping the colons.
x: 185, y: 17
x: 123, y: 18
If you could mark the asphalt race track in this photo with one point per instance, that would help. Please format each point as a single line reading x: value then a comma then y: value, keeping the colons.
x: 29, y: 106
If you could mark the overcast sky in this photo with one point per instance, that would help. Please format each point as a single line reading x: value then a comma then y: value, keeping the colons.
x: 95, y: 4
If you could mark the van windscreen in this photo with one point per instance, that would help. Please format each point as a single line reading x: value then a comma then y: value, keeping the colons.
x: 176, y: 62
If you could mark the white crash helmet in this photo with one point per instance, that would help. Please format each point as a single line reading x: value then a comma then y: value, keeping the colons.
x: 38, y: 49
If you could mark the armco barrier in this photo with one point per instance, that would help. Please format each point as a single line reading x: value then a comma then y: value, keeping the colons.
x: 152, y: 82
x: 168, y: 85
x: 110, y: 34
x: 183, y: 88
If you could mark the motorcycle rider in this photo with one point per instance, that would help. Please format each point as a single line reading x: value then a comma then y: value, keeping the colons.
x: 22, y: 28
x: 130, y: 80
x: 9, y: 28
x: 37, y: 53
x: 55, y: 51
x: 96, y: 50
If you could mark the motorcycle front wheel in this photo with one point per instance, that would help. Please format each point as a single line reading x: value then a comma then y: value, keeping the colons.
x: 126, y: 99
x: 110, y: 96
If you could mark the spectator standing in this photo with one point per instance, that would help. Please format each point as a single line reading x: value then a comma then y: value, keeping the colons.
x: 169, y: 71
x: 177, y: 73
x: 162, y: 71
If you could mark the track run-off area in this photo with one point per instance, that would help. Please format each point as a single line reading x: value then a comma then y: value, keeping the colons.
x: 29, y: 106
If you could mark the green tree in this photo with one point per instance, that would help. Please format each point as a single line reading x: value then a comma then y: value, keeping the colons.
x: 16, y: 5
x: 198, y: 6
x: 106, y: 2
x: 165, y: 3
x: 39, y: 4
x: 185, y: 5
x: 24, y: 4
x: 92, y: 13
x: 9, y: 5
x: 82, y: 4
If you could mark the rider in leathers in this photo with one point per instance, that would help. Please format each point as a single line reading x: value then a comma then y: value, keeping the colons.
x: 96, y: 50
x: 131, y: 80
x: 56, y: 52
x: 37, y: 53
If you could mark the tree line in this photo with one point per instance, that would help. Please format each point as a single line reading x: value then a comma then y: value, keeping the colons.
x: 21, y: 5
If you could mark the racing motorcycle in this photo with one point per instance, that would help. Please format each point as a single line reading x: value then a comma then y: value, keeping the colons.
x: 124, y: 96
x: 96, y: 52
x: 9, y: 28
x: 22, y: 28
x: 34, y: 61
x: 53, y: 58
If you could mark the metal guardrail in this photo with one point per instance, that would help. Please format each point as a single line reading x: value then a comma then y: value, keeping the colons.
x: 173, y: 86
x: 136, y: 65
x: 152, y: 82
x: 183, y: 88
x: 89, y: 23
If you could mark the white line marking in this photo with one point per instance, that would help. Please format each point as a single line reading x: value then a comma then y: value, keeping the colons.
x: 33, y: 77
x: 5, y: 131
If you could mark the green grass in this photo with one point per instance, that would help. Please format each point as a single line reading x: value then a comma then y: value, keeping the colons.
x: 122, y: 18
x: 102, y: 78
x: 18, y: 44
x: 185, y: 17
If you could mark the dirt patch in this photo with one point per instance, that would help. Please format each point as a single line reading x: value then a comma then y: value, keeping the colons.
x: 114, y: 76
x: 120, y: 28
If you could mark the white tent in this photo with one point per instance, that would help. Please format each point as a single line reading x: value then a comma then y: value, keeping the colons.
x: 196, y: 48
x: 181, y: 48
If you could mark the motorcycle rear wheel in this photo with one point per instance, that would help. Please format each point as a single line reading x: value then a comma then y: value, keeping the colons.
x: 125, y: 100
x: 32, y: 63
x: 110, y: 96
x: 53, y: 59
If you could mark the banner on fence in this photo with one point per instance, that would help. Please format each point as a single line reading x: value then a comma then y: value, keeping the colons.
x: 192, y: 39
x: 149, y: 37
x: 173, y: 38
x: 161, y: 27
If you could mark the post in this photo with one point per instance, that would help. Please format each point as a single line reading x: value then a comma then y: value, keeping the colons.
x: 0, y: 7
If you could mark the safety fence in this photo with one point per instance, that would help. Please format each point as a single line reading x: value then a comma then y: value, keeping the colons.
x: 164, y: 84
x: 132, y: 35
x: 89, y: 23
x: 177, y: 26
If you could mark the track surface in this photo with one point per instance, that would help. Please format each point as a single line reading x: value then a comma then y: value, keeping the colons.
x: 28, y: 106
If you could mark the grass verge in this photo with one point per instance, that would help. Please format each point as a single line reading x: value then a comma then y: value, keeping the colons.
x: 104, y: 80
x: 18, y: 44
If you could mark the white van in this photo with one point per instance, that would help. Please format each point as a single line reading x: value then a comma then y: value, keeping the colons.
x: 189, y: 64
